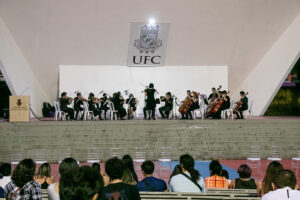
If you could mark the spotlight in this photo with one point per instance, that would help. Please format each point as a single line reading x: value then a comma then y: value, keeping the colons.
x: 151, y: 21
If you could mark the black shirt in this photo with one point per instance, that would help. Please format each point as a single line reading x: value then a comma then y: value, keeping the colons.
x: 77, y: 103
x: 245, y: 103
x: 168, y: 103
x: 120, y: 191
x: 151, y: 104
x: 212, y: 95
x: 226, y: 104
x: 64, y: 103
x: 241, y: 184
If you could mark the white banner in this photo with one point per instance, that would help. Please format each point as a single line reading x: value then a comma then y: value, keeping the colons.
x: 147, y: 44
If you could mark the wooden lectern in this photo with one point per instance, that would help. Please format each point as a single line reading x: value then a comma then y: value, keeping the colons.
x: 19, y: 108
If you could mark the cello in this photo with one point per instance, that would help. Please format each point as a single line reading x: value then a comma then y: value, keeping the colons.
x: 238, y: 105
x: 217, y: 105
x: 186, y: 105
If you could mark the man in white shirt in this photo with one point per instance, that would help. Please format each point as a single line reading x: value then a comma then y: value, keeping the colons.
x: 5, y: 170
x: 284, y: 186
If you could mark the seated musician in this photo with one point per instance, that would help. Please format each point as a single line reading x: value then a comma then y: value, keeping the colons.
x: 64, y: 102
x: 244, y: 101
x: 213, y: 95
x: 195, y: 105
x: 131, y: 101
x: 225, y: 105
x: 78, y: 104
x: 118, y: 102
x: 188, y: 95
x: 165, y: 110
x: 104, y: 104
x: 150, y: 101
x: 92, y: 101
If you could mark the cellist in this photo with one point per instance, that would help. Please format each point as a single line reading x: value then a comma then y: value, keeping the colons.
x: 243, y: 105
x: 225, y: 105
x: 190, y: 97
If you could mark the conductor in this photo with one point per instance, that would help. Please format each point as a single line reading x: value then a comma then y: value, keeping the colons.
x: 150, y: 101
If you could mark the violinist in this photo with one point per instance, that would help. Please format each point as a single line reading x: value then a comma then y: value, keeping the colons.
x: 188, y: 97
x: 225, y: 105
x: 243, y: 106
x: 118, y: 102
x: 131, y: 101
x: 64, y: 102
x: 92, y: 101
x: 165, y: 110
x: 195, y: 105
x: 104, y: 104
x: 150, y: 101
x: 78, y: 104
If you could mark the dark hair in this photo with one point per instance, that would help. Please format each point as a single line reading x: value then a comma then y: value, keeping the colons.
x: 5, y: 169
x: 96, y: 166
x: 224, y: 92
x: 188, y: 91
x: 148, y: 167
x: 169, y: 93
x: 67, y: 164
x: 63, y: 94
x: 272, y: 170
x: 285, y: 178
x: 188, y: 164
x: 128, y: 162
x: 78, y: 94
x: 213, y: 88
x: 114, y: 168
x: 215, y: 167
x: 224, y: 173
x: 24, y: 172
x: 176, y: 171
x: 242, y: 92
x: 91, y: 95
x: 151, y: 85
x: 244, y: 171
x: 127, y: 177
x: 81, y: 183
x: 44, y: 171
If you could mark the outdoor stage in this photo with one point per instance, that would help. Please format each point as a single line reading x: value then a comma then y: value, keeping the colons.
x: 203, y: 139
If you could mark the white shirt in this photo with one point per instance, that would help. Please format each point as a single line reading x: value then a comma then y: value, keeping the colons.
x: 52, y: 194
x: 180, y: 183
x: 282, y: 194
x: 4, y: 181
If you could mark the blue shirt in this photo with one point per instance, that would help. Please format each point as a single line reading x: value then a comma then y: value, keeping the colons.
x: 155, y: 184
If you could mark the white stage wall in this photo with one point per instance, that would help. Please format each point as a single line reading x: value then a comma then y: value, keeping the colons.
x: 176, y: 79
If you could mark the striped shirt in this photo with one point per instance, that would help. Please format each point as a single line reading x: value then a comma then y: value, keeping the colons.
x: 216, y: 182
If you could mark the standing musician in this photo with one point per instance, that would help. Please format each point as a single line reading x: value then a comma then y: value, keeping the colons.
x: 188, y: 96
x: 92, y: 101
x: 104, y: 105
x: 244, y: 106
x: 78, y: 104
x: 150, y: 101
x: 131, y: 101
x: 165, y: 110
x: 64, y: 102
x: 225, y: 105
x: 118, y: 102
x: 195, y: 105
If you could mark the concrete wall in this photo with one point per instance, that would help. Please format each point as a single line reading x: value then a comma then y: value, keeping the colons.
x: 202, y: 139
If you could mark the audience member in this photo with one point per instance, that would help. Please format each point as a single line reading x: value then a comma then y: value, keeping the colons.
x: 66, y: 165
x: 82, y: 183
x: 189, y: 180
x: 105, y: 178
x: 150, y: 183
x: 127, y: 160
x: 216, y: 180
x: 245, y: 181
x: 266, y: 185
x: 44, y: 176
x: 127, y: 177
x: 225, y: 174
x: 114, y: 168
x: 5, y: 171
x: 176, y: 171
x: 284, y: 187
x: 22, y: 185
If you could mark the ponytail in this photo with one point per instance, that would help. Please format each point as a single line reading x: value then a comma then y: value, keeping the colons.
x: 188, y: 163
x: 195, y: 175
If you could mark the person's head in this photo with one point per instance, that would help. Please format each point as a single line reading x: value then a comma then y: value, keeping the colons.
x: 272, y: 170
x: 176, y: 171
x: 131, y: 96
x: 219, y: 93
x: 114, y: 168
x: 63, y: 95
x: 82, y: 183
x: 147, y: 168
x: 188, y: 92
x: 187, y: 163
x: 127, y: 160
x: 104, y: 95
x: 213, y: 90
x: 224, y: 93
x: 127, y: 176
x: 244, y: 171
x: 91, y: 95
x: 225, y: 174
x: 24, y: 172
x: 44, y: 171
x: 78, y: 94
x: 5, y: 169
x: 151, y: 85
x: 285, y: 178
x: 96, y: 166
x: 67, y: 164
x: 242, y: 93
x: 215, y: 168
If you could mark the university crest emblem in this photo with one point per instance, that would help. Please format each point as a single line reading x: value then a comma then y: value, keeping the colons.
x: 148, y: 41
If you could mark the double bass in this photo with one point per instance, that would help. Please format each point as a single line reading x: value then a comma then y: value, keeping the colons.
x: 238, y: 105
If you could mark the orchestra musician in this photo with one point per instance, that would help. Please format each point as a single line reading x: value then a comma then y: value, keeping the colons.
x: 244, y: 106
x: 104, y: 104
x: 131, y: 101
x: 225, y: 105
x: 195, y: 105
x: 188, y: 96
x: 165, y: 110
x: 118, y: 102
x: 64, y: 102
x: 213, y: 95
x: 78, y: 104
x: 150, y: 101
x: 92, y: 101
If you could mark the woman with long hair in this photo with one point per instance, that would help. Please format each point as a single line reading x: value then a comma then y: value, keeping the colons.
x: 128, y: 162
x: 44, y: 176
x: 266, y: 185
x: 190, y: 179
